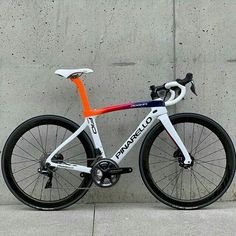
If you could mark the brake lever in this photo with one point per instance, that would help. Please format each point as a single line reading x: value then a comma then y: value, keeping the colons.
x: 193, y: 88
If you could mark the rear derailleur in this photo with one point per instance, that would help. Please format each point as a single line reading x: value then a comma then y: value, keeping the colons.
x: 47, y: 170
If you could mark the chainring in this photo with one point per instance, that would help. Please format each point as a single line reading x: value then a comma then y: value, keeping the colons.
x: 101, y: 175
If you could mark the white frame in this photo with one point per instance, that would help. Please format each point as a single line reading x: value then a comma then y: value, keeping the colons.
x: 155, y: 113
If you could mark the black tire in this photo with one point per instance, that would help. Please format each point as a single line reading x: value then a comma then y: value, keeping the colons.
x: 32, y: 141
x: 190, y: 188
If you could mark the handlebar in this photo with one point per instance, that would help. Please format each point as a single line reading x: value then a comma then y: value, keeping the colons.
x: 171, y: 87
x: 182, y: 88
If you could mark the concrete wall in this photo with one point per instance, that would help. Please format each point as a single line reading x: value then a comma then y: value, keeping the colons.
x: 130, y: 45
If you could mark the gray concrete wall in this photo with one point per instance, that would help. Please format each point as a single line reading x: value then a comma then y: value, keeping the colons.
x: 130, y: 45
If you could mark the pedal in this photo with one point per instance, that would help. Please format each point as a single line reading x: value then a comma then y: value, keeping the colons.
x: 121, y: 170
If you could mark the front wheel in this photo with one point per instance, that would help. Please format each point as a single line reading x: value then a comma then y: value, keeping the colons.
x: 196, y: 186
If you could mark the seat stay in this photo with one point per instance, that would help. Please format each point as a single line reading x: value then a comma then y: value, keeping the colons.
x: 68, y: 165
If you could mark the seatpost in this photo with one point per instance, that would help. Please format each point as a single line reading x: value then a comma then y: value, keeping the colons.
x: 83, y: 93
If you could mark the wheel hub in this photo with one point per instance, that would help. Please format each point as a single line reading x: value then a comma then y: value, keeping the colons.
x: 178, y: 154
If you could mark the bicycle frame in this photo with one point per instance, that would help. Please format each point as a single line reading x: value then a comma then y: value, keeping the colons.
x: 158, y: 111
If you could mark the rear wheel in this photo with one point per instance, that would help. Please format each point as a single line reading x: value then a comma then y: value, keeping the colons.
x: 212, y: 153
x: 25, y: 152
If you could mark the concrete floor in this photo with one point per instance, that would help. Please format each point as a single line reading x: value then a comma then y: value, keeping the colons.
x: 119, y: 219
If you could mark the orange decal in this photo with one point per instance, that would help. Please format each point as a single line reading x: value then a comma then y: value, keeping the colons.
x: 95, y: 112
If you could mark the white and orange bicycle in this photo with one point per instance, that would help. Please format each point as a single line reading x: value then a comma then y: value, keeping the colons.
x: 187, y: 160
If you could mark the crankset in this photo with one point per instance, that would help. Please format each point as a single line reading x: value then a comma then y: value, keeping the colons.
x: 106, y: 173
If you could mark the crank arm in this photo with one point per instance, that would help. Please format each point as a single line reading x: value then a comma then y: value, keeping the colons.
x: 122, y: 170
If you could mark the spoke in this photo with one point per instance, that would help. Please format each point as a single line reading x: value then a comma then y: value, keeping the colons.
x: 163, y: 167
x: 64, y: 136
x: 162, y: 139
x: 30, y: 183
x: 195, y: 179
x: 27, y: 177
x: 176, y: 181
x: 215, y: 159
x: 42, y: 187
x: 162, y: 150
x: 171, y: 180
x: 46, y: 139
x: 59, y: 197
x: 205, y: 178
x: 167, y: 176
x: 18, y: 162
x: 201, y: 142
x: 37, y: 141
x: 184, y: 131
x: 161, y: 157
x: 71, y: 147
x: 211, y: 164
x: 160, y: 162
x: 24, y: 168
x: 181, y: 185
x: 210, y: 154
x: 207, y: 146
x: 26, y: 152
x: 210, y: 170
x: 199, y: 139
x: 23, y: 157
x: 35, y: 184
x: 31, y: 144
x: 74, y: 155
x: 62, y: 186
x: 56, y: 137
x: 41, y: 140
x: 192, y: 138
x: 77, y: 177
x: 66, y: 181
x: 190, y: 184
x: 201, y: 183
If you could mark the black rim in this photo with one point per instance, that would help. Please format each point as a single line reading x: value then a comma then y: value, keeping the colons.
x: 32, y: 145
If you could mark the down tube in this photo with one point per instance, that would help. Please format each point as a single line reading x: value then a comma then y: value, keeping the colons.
x: 134, y: 137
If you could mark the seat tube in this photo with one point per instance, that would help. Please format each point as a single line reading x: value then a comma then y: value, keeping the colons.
x: 95, y: 135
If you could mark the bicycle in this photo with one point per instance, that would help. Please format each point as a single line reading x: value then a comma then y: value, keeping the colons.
x: 187, y: 160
